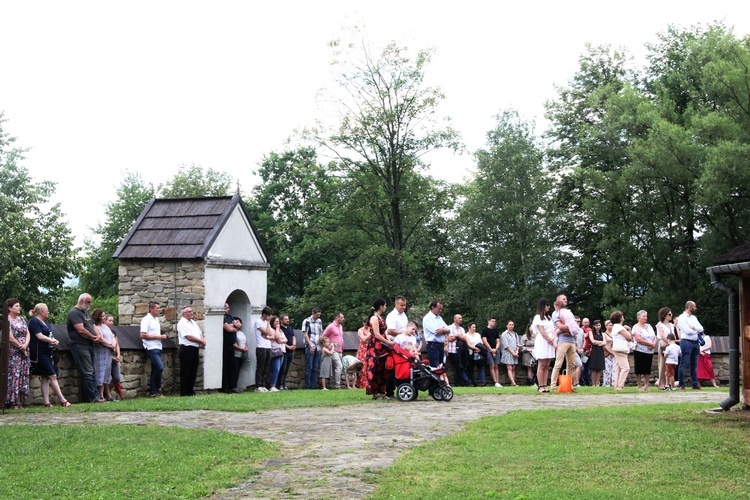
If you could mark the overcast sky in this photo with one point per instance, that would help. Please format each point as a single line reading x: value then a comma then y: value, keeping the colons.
x: 95, y: 89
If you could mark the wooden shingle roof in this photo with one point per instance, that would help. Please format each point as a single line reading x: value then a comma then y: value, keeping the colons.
x: 737, y: 254
x: 183, y: 228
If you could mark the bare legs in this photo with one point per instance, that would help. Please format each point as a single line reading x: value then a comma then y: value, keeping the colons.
x: 511, y: 373
x: 596, y: 377
x: 542, y: 371
x: 46, y: 382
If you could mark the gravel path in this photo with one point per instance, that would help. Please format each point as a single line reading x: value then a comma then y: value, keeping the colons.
x: 311, y: 467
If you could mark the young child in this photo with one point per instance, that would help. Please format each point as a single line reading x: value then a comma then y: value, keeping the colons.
x: 326, y: 361
x: 672, y: 355
x: 352, y: 367
x: 408, y: 340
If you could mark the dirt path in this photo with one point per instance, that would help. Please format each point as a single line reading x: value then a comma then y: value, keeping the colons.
x: 359, y: 435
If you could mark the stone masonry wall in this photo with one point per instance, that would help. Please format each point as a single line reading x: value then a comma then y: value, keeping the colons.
x: 174, y: 284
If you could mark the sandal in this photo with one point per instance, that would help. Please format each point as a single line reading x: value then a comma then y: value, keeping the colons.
x: 542, y: 389
x: 66, y: 403
x: 47, y: 405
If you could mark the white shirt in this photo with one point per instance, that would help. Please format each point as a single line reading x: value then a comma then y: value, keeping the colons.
x: 260, y: 341
x: 396, y: 321
x: 187, y: 327
x: 403, y: 340
x: 689, y: 326
x: 455, y: 331
x: 150, y: 325
x: 241, y: 341
x: 430, y: 323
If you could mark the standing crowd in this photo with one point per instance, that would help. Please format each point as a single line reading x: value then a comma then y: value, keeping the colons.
x: 593, y: 353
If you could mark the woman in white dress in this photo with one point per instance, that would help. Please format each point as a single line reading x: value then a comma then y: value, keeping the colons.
x: 544, y: 345
x: 610, y: 364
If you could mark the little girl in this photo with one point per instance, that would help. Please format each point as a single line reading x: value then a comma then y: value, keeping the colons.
x: 326, y: 361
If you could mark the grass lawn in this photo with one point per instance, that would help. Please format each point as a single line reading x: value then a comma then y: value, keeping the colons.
x: 247, y: 401
x: 253, y: 401
x: 123, y: 461
x: 641, y: 451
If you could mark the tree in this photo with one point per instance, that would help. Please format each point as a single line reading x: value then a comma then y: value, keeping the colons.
x: 504, y: 256
x: 195, y: 182
x: 291, y: 207
x: 37, y: 245
x: 99, y: 276
x: 388, y: 125
x: 647, y: 169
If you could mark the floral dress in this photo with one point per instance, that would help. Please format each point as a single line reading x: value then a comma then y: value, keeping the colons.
x: 18, y: 365
x: 103, y: 357
x: 362, y: 356
x: 377, y: 375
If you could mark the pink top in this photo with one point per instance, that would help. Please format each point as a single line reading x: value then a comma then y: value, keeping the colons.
x: 335, y: 334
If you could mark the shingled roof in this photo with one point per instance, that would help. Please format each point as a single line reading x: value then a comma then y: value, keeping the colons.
x: 736, y: 255
x: 183, y: 228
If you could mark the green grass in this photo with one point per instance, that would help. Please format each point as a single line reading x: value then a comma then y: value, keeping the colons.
x: 641, y: 451
x: 247, y: 401
x: 123, y: 461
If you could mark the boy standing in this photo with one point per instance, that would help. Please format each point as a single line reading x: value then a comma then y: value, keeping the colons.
x: 672, y: 355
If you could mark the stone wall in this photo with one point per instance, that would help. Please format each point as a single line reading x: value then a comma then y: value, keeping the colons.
x: 174, y: 284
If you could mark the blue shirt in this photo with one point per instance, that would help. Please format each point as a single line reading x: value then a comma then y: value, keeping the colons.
x: 430, y: 323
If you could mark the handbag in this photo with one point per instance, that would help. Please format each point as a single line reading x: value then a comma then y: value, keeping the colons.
x: 564, y: 383
x: 619, y: 344
x: 276, y: 352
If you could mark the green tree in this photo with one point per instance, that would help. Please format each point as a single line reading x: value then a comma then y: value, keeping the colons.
x: 99, y: 276
x: 195, y: 182
x: 37, y: 245
x: 389, y: 123
x: 291, y: 209
x: 502, y: 239
x: 645, y: 164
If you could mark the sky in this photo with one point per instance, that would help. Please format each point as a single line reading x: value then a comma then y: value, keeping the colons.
x: 96, y: 89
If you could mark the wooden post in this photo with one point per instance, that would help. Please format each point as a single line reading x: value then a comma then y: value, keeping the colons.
x: 745, y: 337
x: 4, y: 348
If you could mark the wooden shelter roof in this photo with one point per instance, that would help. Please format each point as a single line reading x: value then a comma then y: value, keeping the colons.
x: 736, y: 255
x: 183, y: 228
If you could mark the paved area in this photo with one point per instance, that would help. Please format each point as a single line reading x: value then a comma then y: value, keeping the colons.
x: 328, y: 452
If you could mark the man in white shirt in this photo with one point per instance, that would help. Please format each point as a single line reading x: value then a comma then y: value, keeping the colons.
x: 396, y: 320
x: 151, y: 338
x: 453, y: 344
x: 690, y: 329
x: 191, y: 341
x: 435, y: 333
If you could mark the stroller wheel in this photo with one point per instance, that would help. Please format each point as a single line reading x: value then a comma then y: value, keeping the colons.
x: 406, y: 392
x: 447, y: 393
x: 437, y: 393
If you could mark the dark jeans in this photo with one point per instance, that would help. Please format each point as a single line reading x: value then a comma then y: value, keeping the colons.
x: 312, y: 363
x: 435, y: 353
x: 263, y: 358
x: 288, y: 358
x: 479, y: 366
x: 188, y: 369
x: 83, y: 356
x: 690, y: 352
x: 461, y: 377
x: 157, y: 368
x: 228, y: 370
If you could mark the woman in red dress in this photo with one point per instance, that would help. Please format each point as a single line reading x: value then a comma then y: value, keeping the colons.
x: 364, y: 334
x: 377, y: 351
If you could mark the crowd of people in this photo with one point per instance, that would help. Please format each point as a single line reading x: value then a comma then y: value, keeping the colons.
x: 594, y: 353
x: 32, y: 351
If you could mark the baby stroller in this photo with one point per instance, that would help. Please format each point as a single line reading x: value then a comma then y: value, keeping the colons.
x: 414, y: 375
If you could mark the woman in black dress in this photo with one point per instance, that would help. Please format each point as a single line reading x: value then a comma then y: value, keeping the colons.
x: 41, y: 345
x: 596, y: 358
